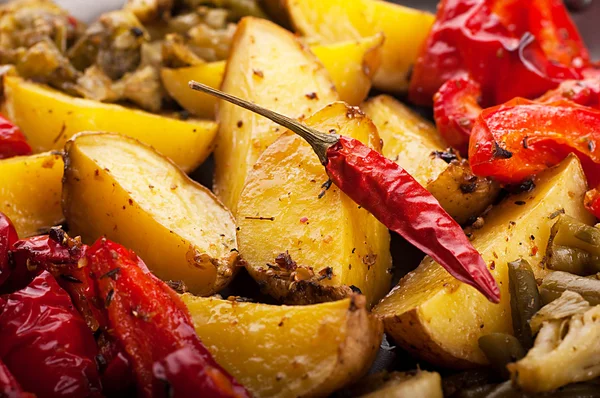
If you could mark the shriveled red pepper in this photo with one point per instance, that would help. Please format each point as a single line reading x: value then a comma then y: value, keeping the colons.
x: 391, y: 194
x: 46, y: 343
x: 9, y: 386
x: 455, y: 110
x: 498, y: 43
x: 12, y: 140
x: 8, y: 236
x: 155, y: 328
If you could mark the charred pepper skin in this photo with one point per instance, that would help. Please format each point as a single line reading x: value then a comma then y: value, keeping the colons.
x: 12, y: 140
x: 155, y: 328
x: 46, y: 343
x: 396, y: 199
x: 8, y: 236
x: 497, y: 42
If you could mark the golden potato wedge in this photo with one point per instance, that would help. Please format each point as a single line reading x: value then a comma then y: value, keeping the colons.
x: 281, y: 351
x: 269, y: 66
x: 176, y: 81
x: 440, y: 319
x: 30, y: 188
x: 304, y: 244
x: 405, y: 30
x: 351, y: 66
x: 412, y: 141
x: 116, y: 187
x: 49, y: 118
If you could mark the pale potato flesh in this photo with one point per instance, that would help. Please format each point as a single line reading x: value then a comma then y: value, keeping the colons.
x: 281, y: 351
x: 49, y: 118
x: 351, y: 66
x: 270, y: 67
x: 412, y: 141
x: 280, y: 212
x: 440, y: 319
x: 118, y: 188
x: 331, y: 21
x: 30, y: 188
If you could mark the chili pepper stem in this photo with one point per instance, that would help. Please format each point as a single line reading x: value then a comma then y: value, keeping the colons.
x: 318, y: 141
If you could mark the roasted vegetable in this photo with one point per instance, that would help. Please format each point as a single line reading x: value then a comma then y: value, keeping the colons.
x: 30, y: 192
x: 288, y: 351
x: 262, y: 59
x: 574, y: 247
x: 149, y: 10
x: 116, y: 187
x: 405, y: 31
x: 568, y: 304
x: 8, y: 236
x: 302, y: 240
x: 12, y: 140
x: 46, y: 343
x: 565, y: 351
x: 524, y: 299
x: 351, y: 66
x: 414, y: 144
x: 500, y: 349
x: 400, y: 385
x: 49, y: 118
x: 556, y: 283
x: 425, y: 313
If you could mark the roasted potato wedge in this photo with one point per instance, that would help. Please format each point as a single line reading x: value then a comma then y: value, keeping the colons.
x: 412, y: 142
x: 116, y: 187
x: 399, y: 385
x: 263, y: 58
x: 405, y: 30
x: 440, y: 319
x: 176, y: 81
x: 350, y: 64
x: 301, y: 242
x: 48, y: 118
x: 30, y: 191
x: 280, y: 351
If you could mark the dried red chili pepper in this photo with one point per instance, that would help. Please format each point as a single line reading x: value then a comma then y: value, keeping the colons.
x: 153, y: 325
x: 497, y: 43
x: 391, y: 194
x: 12, y: 140
x: 9, y: 386
x: 45, y: 342
x: 8, y: 236
x: 455, y: 110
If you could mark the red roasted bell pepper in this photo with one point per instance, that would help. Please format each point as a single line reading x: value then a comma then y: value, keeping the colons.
x: 45, y: 342
x: 153, y: 325
x: 8, y: 236
x: 9, y: 386
x: 497, y: 43
x: 12, y: 140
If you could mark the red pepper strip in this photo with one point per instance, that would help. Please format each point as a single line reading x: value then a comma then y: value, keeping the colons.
x: 455, y: 110
x: 497, y: 43
x: 45, y: 342
x: 396, y: 199
x: 9, y: 386
x: 12, y: 140
x: 514, y: 141
x: 583, y: 92
x: 155, y: 328
x: 8, y: 236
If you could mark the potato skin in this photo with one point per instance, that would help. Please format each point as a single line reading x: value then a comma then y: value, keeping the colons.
x: 263, y: 57
x: 116, y: 187
x: 49, y: 118
x: 412, y: 142
x: 285, y: 210
x: 299, y: 351
x: 30, y: 190
x: 426, y: 313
